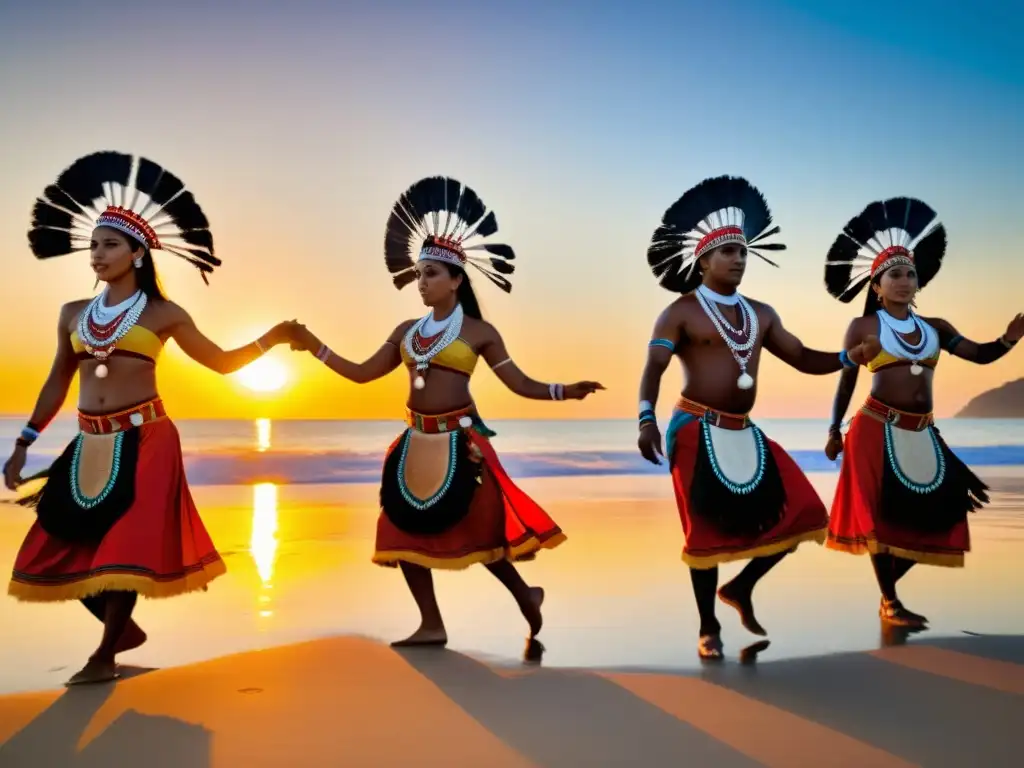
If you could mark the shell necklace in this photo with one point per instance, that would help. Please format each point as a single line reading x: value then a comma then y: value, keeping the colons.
x: 423, y: 355
x: 100, y: 327
x: 739, y: 340
x: 898, y: 329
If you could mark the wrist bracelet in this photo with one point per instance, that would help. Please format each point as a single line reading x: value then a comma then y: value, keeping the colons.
x: 260, y: 347
x: 1006, y: 342
x: 28, y: 436
x: 557, y: 391
x: 323, y: 353
x: 844, y: 358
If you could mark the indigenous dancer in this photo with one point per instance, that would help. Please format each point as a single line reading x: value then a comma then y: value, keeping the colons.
x: 115, y: 518
x: 740, y: 495
x: 446, y: 501
x: 902, y: 496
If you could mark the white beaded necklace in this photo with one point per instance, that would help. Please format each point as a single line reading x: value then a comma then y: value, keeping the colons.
x: 452, y: 329
x: 891, y: 335
x: 741, y: 351
x: 102, y: 315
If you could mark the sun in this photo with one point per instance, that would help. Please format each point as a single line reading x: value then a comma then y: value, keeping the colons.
x: 263, y: 375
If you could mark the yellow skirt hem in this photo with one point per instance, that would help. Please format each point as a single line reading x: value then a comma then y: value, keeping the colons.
x: 145, y: 586
x: 710, y: 561
x: 871, y: 546
x: 522, y: 551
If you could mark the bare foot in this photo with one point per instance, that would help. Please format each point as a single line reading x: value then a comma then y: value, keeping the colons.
x: 709, y: 648
x: 749, y: 654
x: 893, y: 612
x: 130, y: 639
x: 740, y: 599
x: 94, y: 671
x: 424, y: 636
x: 534, y: 651
x: 531, y: 612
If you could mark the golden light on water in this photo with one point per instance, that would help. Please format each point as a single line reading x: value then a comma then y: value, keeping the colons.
x: 263, y: 434
x: 263, y: 541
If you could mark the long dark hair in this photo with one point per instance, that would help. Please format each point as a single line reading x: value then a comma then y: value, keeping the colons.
x: 465, y: 294
x: 145, y: 276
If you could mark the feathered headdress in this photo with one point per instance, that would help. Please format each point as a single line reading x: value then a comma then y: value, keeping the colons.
x: 132, y: 195
x: 416, y: 230
x: 714, y: 213
x: 880, y: 237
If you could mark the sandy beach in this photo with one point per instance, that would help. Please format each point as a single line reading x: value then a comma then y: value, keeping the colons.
x: 284, y: 661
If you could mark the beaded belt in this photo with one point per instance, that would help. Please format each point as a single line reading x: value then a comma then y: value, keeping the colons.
x: 713, y: 417
x: 442, y: 422
x: 109, y: 423
x: 915, y: 422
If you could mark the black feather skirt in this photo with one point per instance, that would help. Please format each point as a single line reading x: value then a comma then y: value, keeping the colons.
x: 737, y: 511
x: 934, y: 507
x: 447, y: 506
x: 66, y: 513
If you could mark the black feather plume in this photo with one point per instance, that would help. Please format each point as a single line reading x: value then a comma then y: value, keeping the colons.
x: 416, y: 218
x: 710, y: 205
x: 63, y: 219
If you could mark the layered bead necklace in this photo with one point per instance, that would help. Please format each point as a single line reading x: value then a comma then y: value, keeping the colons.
x: 739, y: 340
x: 896, y: 329
x: 423, y: 346
x: 100, y: 327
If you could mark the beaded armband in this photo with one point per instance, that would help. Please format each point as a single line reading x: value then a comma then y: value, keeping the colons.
x: 557, y: 391
x: 844, y: 358
x: 29, y: 435
x: 665, y: 343
x: 953, y: 342
x: 647, y: 414
x: 324, y: 353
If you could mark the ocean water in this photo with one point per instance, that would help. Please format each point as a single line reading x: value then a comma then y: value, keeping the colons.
x: 295, y: 452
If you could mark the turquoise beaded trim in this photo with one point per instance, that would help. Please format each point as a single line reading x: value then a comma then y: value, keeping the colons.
x: 410, y: 499
x: 940, y: 459
x: 88, y: 502
x: 750, y: 485
x: 662, y: 343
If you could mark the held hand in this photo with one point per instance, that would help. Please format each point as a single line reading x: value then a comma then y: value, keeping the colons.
x: 834, y: 446
x: 581, y: 389
x: 281, y: 333
x: 303, y: 340
x: 1015, y: 330
x: 13, y: 467
x: 649, y: 443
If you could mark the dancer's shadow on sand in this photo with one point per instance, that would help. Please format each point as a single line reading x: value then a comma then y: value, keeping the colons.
x: 566, y: 717
x: 134, y: 739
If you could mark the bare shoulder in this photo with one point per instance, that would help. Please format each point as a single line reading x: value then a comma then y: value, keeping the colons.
x: 863, y: 326
x: 938, y: 323
x: 167, y: 312
x: 480, y: 329
x: 73, y: 309
x: 764, y: 310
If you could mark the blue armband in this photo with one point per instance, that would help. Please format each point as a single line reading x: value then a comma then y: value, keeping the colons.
x: 662, y: 343
x: 844, y: 358
x: 952, y: 343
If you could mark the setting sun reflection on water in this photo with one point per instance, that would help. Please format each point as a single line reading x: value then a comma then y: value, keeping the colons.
x: 263, y: 541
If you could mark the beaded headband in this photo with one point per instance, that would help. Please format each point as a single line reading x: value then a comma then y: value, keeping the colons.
x: 131, y: 224
x: 716, y: 238
x: 894, y: 255
x: 443, y: 249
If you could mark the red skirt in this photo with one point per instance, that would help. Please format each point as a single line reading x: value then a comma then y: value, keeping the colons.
x: 856, y: 525
x: 799, y: 514
x: 478, y: 517
x: 157, y: 546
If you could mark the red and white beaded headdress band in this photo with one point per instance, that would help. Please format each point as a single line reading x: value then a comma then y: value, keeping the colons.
x: 133, y: 195
x: 434, y: 219
x: 900, y: 231
x: 725, y: 210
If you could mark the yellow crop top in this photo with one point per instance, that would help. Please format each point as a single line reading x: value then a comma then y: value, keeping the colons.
x: 138, y: 342
x: 457, y: 356
x: 884, y: 360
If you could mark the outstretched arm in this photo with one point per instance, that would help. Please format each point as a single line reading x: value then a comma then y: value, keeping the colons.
x: 205, y: 352
x: 982, y: 354
x: 378, y: 365
x: 511, y: 375
x: 790, y: 350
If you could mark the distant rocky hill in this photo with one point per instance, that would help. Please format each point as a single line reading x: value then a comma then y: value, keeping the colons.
x: 1005, y: 402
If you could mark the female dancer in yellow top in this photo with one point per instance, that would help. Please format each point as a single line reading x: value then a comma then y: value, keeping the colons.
x: 446, y: 501
x: 115, y: 518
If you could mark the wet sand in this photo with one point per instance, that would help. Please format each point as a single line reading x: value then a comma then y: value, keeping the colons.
x: 618, y: 595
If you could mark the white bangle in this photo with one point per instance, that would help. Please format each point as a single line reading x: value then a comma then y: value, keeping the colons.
x: 260, y: 347
x: 557, y: 391
x: 496, y: 366
x: 323, y: 353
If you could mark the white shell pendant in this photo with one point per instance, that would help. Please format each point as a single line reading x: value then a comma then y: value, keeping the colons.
x: 465, y: 422
x: 915, y: 369
x: 745, y: 381
x: 101, y: 371
x: 418, y: 382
